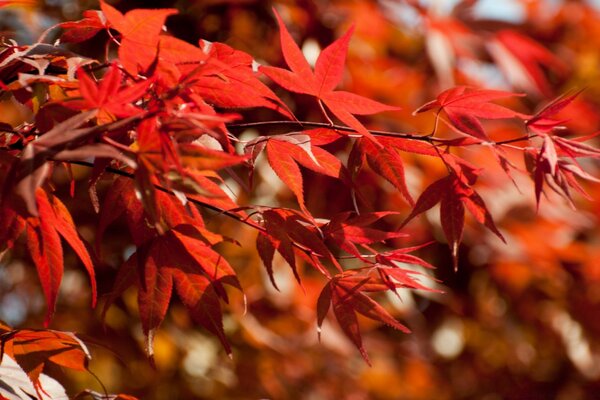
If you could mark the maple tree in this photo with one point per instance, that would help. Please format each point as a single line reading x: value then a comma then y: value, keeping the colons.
x: 188, y: 176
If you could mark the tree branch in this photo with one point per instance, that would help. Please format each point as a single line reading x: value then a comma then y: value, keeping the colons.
x: 310, y: 124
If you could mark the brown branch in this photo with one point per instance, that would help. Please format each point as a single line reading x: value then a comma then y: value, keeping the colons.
x: 519, y: 139
x: 310, y: 124
x: 342, y: 128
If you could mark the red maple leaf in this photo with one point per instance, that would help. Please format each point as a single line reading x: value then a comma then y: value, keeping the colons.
x: 34, y: 350
x: 286, y: 152
x: 524, y: 61
x: 559, y: 173
x: 321, y: 82
x: 387, y: 163
x: 82, y: 30
x: 464, y: 107
x: 180, y: 259
x: 109, y: 96
x: 141, y: 43
x: 227, y: 79
x: 346, y: 294
x: 542, y: 122
x: 288, y: 231
x: 346, y: 231
x: 44, y: 233
x: 454, y: 193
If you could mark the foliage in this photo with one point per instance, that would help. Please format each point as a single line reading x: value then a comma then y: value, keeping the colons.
x: 171, y: 167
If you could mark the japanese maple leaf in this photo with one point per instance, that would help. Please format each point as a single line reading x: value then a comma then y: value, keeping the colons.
x: 346, y: 231
x: 227, y: 79
x: 321, y: 82
x: 121, y: 199
x: 559, y: 173
x: 140, y: 34
x: 286, y: 152
x: 399, y: 256
x: 542, y: 122
x: 286, y: 231
x: 464, y: 107
x: 109, y: 97
x: 387, y: 163
x: 44, y: 234
x: 345, y: 293
x: 454, y: 193
x: 524, y: 61
x: 180, y: 259
x: 33, y: 350
x: 551, y: 164
x: 82, y: 30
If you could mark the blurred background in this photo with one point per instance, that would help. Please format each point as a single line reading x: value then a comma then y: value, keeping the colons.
x: 517, y: 321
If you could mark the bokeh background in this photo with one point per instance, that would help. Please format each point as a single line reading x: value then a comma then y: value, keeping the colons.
x: 517, y: 321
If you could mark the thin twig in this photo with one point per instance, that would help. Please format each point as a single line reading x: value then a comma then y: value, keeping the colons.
x: 326, y: 125
x: 200, y: 203
x: 519, y: 139
x: 425, y: 138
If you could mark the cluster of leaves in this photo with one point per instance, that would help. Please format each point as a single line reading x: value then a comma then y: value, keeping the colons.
x: 153, y: 126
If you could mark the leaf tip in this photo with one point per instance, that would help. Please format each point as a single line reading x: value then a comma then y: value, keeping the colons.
x: 365, y: 356
x: 454, y: 249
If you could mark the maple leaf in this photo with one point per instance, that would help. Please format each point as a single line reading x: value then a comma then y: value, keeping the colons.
x: 394, y: 276
x: 34, y: 350
x: 550, y: 164
x: 387, y: 163
x: 122, y: 199
x: 346, y: 230
x: 203, y: 158
x: 84, y: 29
x: 140, y: 30
x: 16, y: 385
x: 345, y: 294
x: 409, y: 145
x: 287, y: 231
x: 464, y: 107
x: 559, y: 173
x: 542, y: 121
x: 286, y: 152
x: 30, y: 172
x: 454, y: 193
x: 108, y: 96
x: 227, y: 79
x: 180, y: 260
x: 283, y: 157
x: 328, y: 73
x: 44, y: 234
x: 523, y: 61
